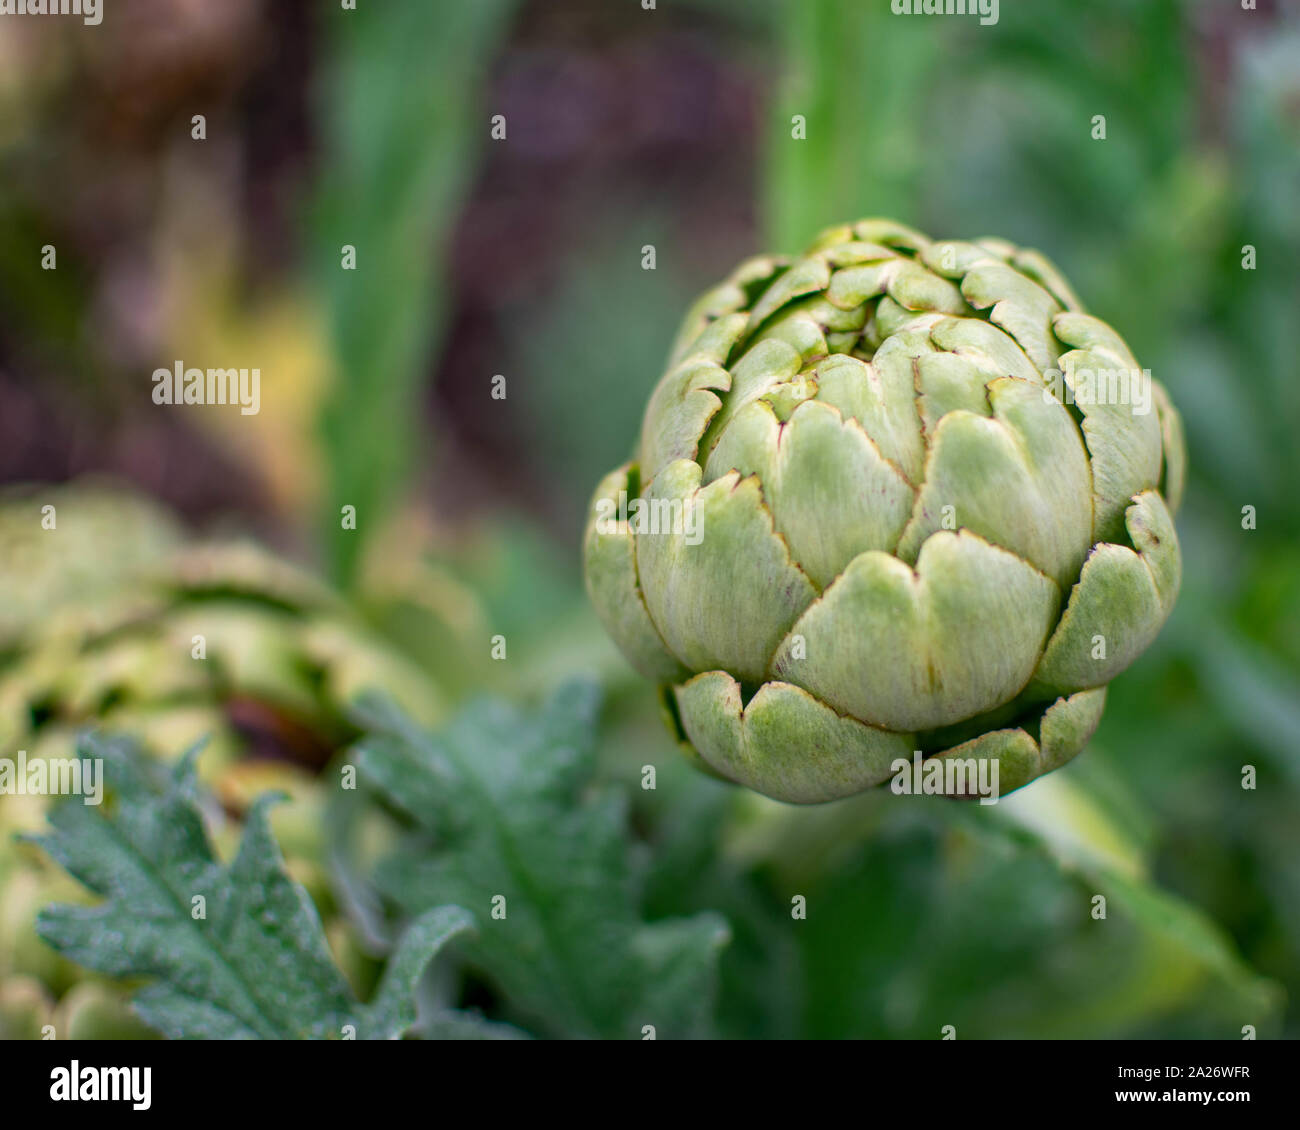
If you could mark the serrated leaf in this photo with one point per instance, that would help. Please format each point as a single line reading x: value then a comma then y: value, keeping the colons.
x: 254, y: 964
x: 504, y: 816
x: 392, y: 1011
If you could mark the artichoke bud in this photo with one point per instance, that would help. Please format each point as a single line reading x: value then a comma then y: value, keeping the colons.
x: 897, y: 497
x: 119, y: 622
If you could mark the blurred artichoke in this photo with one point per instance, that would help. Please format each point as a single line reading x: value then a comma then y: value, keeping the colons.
x: 894, y: 496
x: 114, y: 620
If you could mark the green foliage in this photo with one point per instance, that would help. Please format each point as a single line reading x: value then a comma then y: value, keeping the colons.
x: 398, y: 105
x: 920, y: 914
x: 858, y: 76
x: 1201, y: 159
x: 923, y: 913
x: 589, y: 391
x: 501, y: 806
x: 255, y: 964
x: 912, y: 915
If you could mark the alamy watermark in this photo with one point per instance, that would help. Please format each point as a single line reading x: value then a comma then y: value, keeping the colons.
x: 87, y: 1083
x: 1101, y: 386
x: 53, y: 776
x: 179, y: 385
x: 90, y: 11
x: 946, y: 776
x: 650, y: 516
x: 987, y: 10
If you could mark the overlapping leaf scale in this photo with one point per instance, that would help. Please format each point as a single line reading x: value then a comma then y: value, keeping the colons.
x: 789, y: 745
x: 889, y: 232
x: 831, y: 493
x: 960, y: 635
x: 609, y: 557
x: 1173, y: 479
x: 764, y: 365
x: 1063, y: 729
x: 985, y: 345
x: 1013, y: 470
x: 1120, y: 602
x: 818, y: 418
x: 910, y: 285
x: 717, y: 579
x: 1017, y: 304
x: 688, y: 397
x: 784, y: 742
x: 1126, y: 445
x: 727, y: 298
x: 878, y: 395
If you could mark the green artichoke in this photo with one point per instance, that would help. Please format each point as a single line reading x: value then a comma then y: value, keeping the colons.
x: 99, y: 619
x: 896, y: 496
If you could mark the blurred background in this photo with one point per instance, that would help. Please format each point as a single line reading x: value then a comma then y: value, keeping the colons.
x: 522, y: 257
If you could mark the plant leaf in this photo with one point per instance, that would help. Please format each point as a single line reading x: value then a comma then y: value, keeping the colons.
x: 254, y: 964
x: 860, y: 101
x: 503, y: 817
x: 392, y: 1011
x: 400, y: 134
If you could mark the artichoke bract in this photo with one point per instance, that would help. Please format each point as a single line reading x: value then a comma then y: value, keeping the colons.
x: 99, y: 617
x: 895, y: 496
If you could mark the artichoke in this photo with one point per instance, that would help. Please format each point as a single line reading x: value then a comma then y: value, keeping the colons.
x: 99, y: 620
x: 895, y: 497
